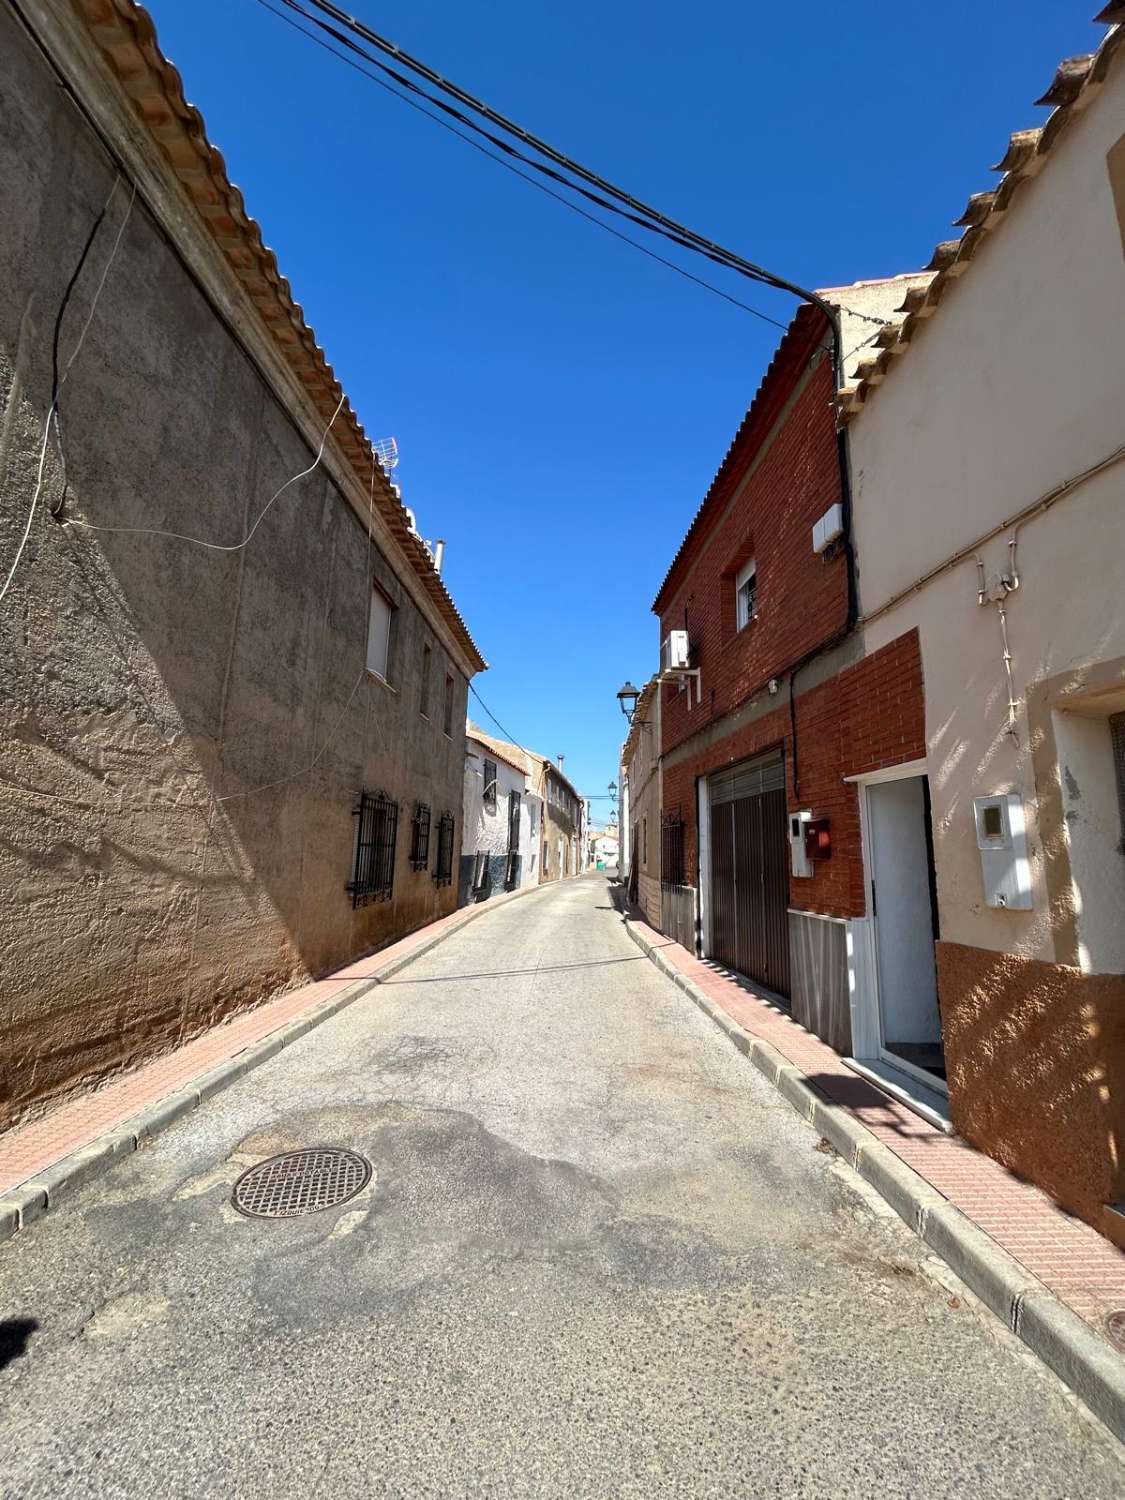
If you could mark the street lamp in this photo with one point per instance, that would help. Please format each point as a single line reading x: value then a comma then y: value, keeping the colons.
x: 627, y: 698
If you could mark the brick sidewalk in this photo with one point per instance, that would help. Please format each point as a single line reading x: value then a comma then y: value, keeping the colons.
x: 1072, y: 1260
x: 28, y: 1149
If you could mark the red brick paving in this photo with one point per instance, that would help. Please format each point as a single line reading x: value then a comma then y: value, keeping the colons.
x: 1080, y: 1267
x: 27, y: 1149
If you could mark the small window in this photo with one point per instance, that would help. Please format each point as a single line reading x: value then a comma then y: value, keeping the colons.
x: 449, y: 705
x: 424, y: 691
x: 420, y: 837
x: 443, y: 865
x: 746, y: 594
x: 379, y: 633
x: 374, y: 874
x: 490, y: 777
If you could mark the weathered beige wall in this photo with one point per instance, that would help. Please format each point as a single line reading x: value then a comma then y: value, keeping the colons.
x: 1014, y: 386
x: 145, y: 681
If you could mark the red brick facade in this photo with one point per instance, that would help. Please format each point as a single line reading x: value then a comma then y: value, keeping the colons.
x: 869, y: 716
x: 802, y: 597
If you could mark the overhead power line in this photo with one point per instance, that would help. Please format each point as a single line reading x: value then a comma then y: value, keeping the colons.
x: 509, y: 166
x: 345, y: 30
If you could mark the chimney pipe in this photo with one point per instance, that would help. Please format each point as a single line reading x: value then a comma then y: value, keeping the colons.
x: 439, y: 555
x: 561, y: 758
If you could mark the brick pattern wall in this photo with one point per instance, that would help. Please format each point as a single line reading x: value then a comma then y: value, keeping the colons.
x: 867, y: 717
x: 802, y: 597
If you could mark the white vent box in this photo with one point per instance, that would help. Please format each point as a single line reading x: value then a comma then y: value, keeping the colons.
x: 674, y: 653
x: 800, y: 863
x: 1002, y: 841
x: 828, y: 528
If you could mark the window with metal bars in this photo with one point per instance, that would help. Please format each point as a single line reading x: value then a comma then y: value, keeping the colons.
x: 420, y: 837
x: 490, y: 774
x: 443, y: 864
x: 672, y: 850
x: 373, y: 879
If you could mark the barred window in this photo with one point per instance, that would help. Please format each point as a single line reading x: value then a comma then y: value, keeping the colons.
x: 672, y: 850
x: 373, y: 878
x: 443, y: 865
x: 490, y: 774
x: 420, y: 837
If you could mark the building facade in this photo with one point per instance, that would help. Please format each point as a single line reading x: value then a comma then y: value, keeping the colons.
x: 992, y: 418
x: 502, y: 819
x: 562, y: 829
x: 641, y: 805
x: 233, y: 680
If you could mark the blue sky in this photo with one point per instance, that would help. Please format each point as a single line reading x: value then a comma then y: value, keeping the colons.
x: 560, y: 401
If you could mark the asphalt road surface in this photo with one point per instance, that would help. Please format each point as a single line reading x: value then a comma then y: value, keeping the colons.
x: 599, y: 1256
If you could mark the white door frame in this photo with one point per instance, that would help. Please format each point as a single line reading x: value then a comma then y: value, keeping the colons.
x: 869, y: 1027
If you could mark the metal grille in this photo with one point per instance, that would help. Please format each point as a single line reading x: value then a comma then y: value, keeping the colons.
x: 443, y: 865
x: 300, y: 1182
x: 374, y: 849
x: 672, y: 850
x: 420, y: 837
x: 490, y: 777
x: 1117, y: 733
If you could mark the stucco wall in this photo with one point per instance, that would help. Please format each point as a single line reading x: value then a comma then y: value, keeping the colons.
x: 1014, y: 386
x: 153, y: 691
x: 486, y: 827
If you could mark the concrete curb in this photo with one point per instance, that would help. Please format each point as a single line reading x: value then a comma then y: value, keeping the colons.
x: 30, y: 1200
x: 1054, y: 1333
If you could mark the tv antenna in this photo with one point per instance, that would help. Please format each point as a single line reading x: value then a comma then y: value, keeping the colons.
x: 386, y: 451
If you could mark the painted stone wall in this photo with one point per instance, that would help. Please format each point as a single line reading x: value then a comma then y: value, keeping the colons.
x: 168, y: 855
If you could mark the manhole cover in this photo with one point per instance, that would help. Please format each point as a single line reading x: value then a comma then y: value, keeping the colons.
x: 1115, y: 1327
x: 300, y: 1182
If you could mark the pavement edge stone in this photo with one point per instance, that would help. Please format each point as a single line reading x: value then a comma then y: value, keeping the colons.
x: 1055, y: 1334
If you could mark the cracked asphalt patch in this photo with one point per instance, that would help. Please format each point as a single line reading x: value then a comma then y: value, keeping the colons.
x: 599, y: 1256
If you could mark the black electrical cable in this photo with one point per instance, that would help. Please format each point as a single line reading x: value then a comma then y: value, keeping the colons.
x: 508, y: 166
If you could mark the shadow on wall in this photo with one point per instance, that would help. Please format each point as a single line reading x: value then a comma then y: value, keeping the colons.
x: 1036, y: 1059
x: 171, y: 853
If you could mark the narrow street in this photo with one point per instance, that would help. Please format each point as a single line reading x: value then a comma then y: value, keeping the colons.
x: 599, y: 1256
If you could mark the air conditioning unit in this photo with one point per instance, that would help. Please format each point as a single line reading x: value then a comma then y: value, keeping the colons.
x: 828, y: 528
x: 674, y: 652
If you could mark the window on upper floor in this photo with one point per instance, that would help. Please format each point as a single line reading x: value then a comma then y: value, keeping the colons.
x: 424, y: 692
x: 379, y: 617
x: 745, y: 594
x: 449, y: 706
x: 490, y: 776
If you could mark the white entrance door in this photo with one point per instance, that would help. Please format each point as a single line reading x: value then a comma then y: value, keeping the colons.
x: 900, y: 869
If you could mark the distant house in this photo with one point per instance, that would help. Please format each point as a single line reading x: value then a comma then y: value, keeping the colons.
x: 563, y: 820
x: 502, y: 818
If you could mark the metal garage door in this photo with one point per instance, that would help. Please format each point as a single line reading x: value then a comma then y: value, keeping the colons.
x: 750, y: 872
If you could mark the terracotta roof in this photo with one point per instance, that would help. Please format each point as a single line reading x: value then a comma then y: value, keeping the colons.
x: 805, y: 332
x: 503, y: 750
x: 126, y: 36
x: 1076, y: 83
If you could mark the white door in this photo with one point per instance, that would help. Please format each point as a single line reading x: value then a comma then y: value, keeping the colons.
x: 902, y: 907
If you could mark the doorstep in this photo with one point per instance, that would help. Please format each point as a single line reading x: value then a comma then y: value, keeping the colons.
x: 931, y: 1104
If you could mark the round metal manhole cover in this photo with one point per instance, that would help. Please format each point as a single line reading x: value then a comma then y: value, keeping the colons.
x: 1115, y: 1327
x: 300, y: 1182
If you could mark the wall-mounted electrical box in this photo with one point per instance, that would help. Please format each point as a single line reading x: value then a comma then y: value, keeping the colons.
x: 828, y: 528
x: 818, y: 837
x: 1002, y: 841
x: 799, y: 861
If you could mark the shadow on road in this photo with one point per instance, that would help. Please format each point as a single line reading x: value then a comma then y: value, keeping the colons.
x: 14, y: 1334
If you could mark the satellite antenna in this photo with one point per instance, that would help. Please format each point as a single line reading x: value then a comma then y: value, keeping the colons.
x: 386, y: 451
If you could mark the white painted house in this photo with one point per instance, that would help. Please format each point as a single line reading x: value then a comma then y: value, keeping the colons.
x: 503, y: 814
x: 987, y: 439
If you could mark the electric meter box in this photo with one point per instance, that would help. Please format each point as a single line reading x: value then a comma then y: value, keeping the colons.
x: 1002, y: 841
x: 800, y: 863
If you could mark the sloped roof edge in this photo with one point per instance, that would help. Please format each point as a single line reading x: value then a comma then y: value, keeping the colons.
x: 125, y: 34
x: 1076, y: 84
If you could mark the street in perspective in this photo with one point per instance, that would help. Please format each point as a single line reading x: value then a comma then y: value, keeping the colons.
x: 562, y: 752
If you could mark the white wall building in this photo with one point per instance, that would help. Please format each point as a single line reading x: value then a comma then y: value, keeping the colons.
x: 503, y: 815
x: 989, y: 501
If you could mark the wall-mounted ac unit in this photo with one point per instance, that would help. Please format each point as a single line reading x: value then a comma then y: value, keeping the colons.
x: 674, y: 653
x: 828, y: 528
